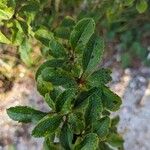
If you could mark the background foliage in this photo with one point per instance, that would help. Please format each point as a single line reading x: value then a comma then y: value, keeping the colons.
x: 125, y: 22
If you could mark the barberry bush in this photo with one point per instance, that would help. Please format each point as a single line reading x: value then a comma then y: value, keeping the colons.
x: 75, y: 89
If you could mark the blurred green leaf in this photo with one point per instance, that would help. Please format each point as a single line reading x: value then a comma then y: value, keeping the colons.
x: 64, y: 30
x: 141, y: 6
x: 94, y: 109
x: 101, y: 127
x: 49, y: 145
x: 82, y: 98
x: 104, y: 146
x: 110, y: 100
x: 58, y: 78
x: 115, y: 140
x: 68, y: 22
x: 81, y: 33
x: 25, y: 52
x: 43, y: 87
x: 47, y: 125
x: 90, y: 142
x: 64, y: 100
x: 66, y: 137
x: 49, y: 101
x: 115, y: 121
x: 126, y: 60
x: 139, y: 50
x: 100, y: 77
x: 129, y: 2
x: 56, y: 49
x: 54, y: 63
x: 5, y: 12
x: 92, y: 54
x: 44, y: 36
x: 4, y: 39
x: 30, y: 7
x: 25, y: 114
x: 76, y: 122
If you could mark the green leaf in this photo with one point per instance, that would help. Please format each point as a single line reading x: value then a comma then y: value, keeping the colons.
x: 64, y: 100
x: 54, y: 93
x: 90, y: 142
x: 81, y: 33
x: 49, y: 101
x: 30, y: 7
x: 64, y: 30
x: 58, y: 78
x: 43, y: 32
x: 141, y: 6
x: 17, y: 36
x: 23, y: 26
x: 50, y: 145
x: 101, y: 127
x: 43, y: 87
x: 126, y: 60
x: 3, y: 2
x: 104, y: 146
x: 44, y: 36
x: 76, y: 70
x: 25, y: 50
x: 5, y: 12
x: 94, y: 109
x: 139, y: 50
x: 115, y: 140
x: 76, y: 122
x: 115, y: 121
x: 68, y: 22
x: 54, y: 63
x: 106, y: 112
x: 4, y: 39
x: 100, y: 77
x: 111, y: 100
x: 56, y: 49
x: 66, y: 137
x: 25, y: 114
x: 129, y: 2
x: 47, y: 125
x: 92, y: 54
x: 82, y: 98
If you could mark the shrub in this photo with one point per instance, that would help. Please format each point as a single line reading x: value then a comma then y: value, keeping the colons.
x: 75, y: 89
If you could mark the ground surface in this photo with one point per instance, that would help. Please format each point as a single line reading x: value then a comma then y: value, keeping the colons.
x: 133, y: 85
x: 134, y: 88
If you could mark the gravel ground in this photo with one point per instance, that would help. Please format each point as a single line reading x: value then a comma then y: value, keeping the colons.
x: 134, y: 88
x: 132, y: 85
x: 12, y: 134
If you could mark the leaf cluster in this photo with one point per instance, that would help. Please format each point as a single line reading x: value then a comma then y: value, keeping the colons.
x: 75, y: 89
